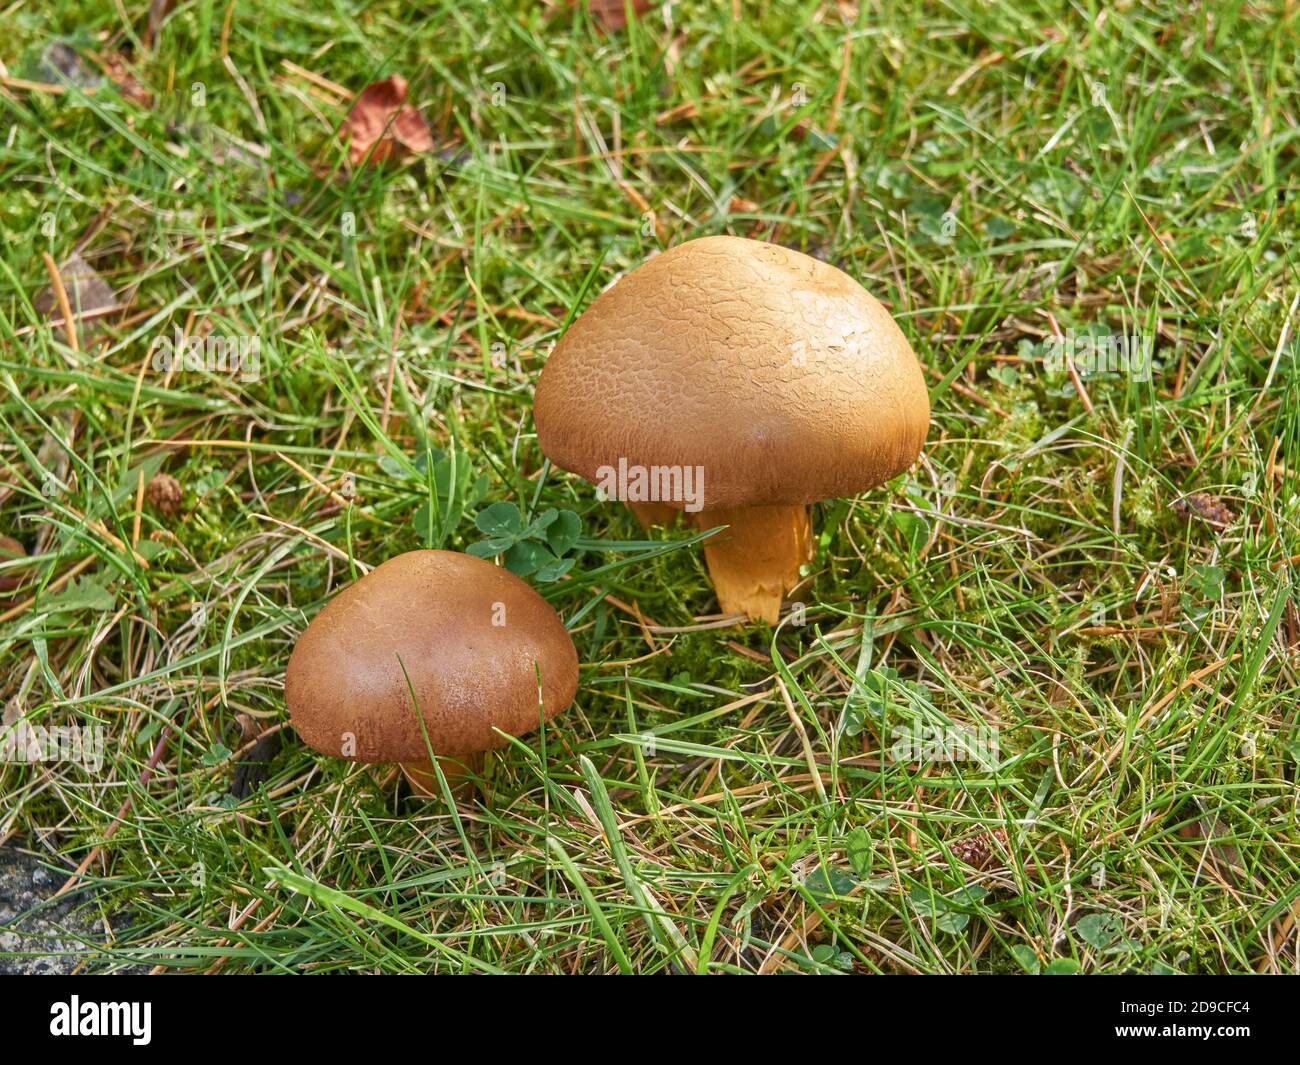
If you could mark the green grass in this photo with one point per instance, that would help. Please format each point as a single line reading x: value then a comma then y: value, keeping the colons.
x: 984, y: 172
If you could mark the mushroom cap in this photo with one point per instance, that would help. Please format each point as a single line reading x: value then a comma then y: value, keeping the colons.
x: 775, y: 372
x: 472, y: 637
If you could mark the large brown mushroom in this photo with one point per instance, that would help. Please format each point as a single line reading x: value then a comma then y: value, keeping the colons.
x: 478, y: 647
x: 740, y: 382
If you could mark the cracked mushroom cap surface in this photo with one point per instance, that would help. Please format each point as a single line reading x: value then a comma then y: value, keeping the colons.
x: 776, y: 372
x: 472, y: 637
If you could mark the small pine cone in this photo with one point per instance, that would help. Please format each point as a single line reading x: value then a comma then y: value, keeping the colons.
x: 978, y: 850
x: 1210, y: 509
x: 164, y: 494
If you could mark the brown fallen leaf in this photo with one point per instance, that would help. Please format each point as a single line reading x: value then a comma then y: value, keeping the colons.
x: 89, y: 295
x: 158, y: 12
x: 612, y: 15
x: 381, y: 121
x: 1223, y: 855
x: 1210, y: 509
x: 11, y: 551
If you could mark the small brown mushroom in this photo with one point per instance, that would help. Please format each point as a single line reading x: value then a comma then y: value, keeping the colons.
x: 478, y: 647
x: 740, y: 382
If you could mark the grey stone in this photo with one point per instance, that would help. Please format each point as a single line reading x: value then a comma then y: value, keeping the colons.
x: 39, y: 936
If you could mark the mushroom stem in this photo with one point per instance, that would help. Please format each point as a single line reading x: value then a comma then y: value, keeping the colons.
x: 458, y: 771
x: 756, y: 561
x: 654, y: 514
